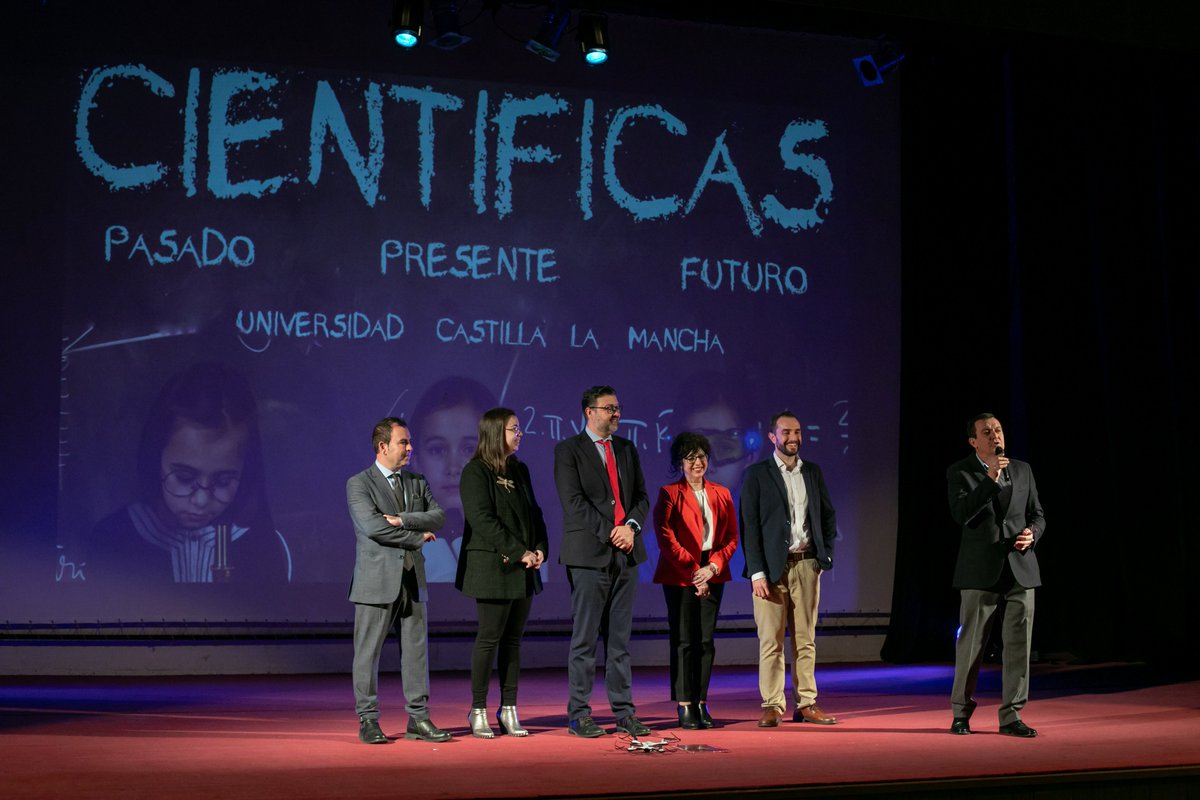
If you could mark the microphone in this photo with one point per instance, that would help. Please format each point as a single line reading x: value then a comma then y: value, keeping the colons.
x: 1000, y: 452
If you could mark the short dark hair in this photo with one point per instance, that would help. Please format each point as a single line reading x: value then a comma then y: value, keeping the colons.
x: 778, y: 414
x: 971, y: 429
x: 383, y: 431
x: 687, y: 443
x: 591, y: 395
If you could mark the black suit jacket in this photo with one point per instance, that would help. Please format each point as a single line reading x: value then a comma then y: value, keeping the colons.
x: 987, y: 536
x: 587, y: 500
x: 766, y: 518
x: 502, y: 522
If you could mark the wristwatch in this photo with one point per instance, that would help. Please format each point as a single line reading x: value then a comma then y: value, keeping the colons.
x: 634, y: 526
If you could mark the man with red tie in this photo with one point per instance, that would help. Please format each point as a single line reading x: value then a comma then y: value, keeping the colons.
x: 603, y: 496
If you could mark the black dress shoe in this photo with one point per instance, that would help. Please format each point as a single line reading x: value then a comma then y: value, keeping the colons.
x: 1018, y: 728
x: 426, y: 731
x: 369, y: 732
x: 586, y: 727
x: 633, y: 726
x: 960, y: 726
x: 706, y: 720
x: 689, y: 717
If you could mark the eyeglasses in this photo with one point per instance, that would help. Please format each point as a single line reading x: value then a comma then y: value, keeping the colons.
x: 185, y: 483
x: 515, y: 430
x: 695, y: 459
x: 610, y: 409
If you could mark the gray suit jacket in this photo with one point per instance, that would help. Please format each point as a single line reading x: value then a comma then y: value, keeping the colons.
x: 987, y: 538
x: 379, y: 554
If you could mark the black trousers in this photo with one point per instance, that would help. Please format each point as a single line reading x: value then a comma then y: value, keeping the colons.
x: 498, y: 640
x: 602, y: 606
x: 693, y: 622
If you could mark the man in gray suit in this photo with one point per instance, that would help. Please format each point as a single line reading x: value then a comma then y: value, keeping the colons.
x: 995, y: 500
x: 394, y: 516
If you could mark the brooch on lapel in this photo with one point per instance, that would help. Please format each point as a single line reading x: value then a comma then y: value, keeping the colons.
x: 506, y: 483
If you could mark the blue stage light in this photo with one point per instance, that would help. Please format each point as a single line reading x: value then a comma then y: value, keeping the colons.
x: 407, y: 16
x: 871, y: 67
x: 545, y: 43
x: 593, y: 37
x: 448, y: 35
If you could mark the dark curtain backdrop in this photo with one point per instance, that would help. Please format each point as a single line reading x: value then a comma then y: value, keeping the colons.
x: 1049, y: 273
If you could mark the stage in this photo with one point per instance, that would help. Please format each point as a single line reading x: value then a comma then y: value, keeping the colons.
x: 1105, y: 731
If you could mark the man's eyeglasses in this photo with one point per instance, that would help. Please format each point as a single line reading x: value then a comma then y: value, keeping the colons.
x: 185, y: 483
x: 610, y: 409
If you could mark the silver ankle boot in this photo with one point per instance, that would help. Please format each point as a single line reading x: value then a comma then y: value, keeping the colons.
x: 507, y: 718
x: 479, y: 724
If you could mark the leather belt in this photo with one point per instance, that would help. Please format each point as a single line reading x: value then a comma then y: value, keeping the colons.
x: 807, y: 554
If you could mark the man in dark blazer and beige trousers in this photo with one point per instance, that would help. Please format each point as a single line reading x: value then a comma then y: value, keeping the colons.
x: 394, y: 515
x: 601, y: 548
x: 789, y: 527
x: 995, y: 500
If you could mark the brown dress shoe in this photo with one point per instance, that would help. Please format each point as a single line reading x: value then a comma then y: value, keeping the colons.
x: 813, y: 714
x: 771, y: 717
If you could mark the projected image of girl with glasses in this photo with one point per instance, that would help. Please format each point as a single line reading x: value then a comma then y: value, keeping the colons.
x: 202, y: 515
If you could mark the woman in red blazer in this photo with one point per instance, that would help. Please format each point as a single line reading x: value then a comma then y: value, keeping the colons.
x: 696, y: 526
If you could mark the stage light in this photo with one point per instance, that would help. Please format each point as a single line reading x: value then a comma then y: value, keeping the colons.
x: 593, y: 37
x: 445, y: 25
x: 406, y: 22
x: 871, y: 67
x: 545, y: 43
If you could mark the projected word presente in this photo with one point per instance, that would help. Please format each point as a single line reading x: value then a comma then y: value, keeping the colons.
x: 474, y: 261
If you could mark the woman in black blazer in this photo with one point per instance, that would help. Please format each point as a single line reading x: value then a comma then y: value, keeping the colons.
x: 504, y: 544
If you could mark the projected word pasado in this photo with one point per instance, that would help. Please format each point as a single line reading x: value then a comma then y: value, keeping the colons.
x: 172, y: 247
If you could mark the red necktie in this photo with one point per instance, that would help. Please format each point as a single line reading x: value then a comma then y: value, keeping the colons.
x: 611, y: 462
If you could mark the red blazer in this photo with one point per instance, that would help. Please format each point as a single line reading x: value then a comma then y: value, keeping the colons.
x: 680, y: 531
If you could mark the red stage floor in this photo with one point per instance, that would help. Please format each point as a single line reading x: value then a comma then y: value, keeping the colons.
x: 296, y: 737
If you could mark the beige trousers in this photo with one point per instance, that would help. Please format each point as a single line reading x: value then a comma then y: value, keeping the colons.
x: 791, y: 609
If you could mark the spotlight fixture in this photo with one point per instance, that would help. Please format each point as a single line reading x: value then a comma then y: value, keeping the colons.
x: 593, y: 37
x: 545, y: 43
x: 445, y: 25
x: 406, y: 22
x: 886, y: 57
